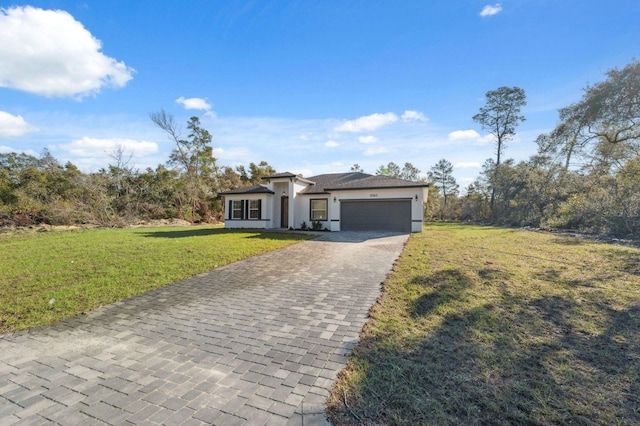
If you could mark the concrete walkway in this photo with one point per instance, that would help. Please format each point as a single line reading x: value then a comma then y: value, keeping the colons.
x: 256, y: 342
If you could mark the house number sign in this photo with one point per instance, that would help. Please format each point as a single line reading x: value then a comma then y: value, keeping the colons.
x: 373, y: 195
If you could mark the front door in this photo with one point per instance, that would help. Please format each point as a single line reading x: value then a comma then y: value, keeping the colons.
x: 284, y: 212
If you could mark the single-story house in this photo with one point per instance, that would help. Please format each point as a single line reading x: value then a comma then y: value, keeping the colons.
x: 337, y: 201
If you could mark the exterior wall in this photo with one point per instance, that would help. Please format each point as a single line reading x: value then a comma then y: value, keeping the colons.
x: 246, y: 224
x: 300, y: 205
x: 296, y: 205
x: 417, y: 210
x: 278, y: 187
x: 417, y: 206
x: 301, y: 211
x: 290, y: 188
x: 303, y: 206
x: 265, y: 213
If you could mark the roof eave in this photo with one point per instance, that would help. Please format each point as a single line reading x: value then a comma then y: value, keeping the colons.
x: 289, y: 176
x: 240, y: 192
x: 301, y: 179
x: 426, y: 185
x: 303, y: 192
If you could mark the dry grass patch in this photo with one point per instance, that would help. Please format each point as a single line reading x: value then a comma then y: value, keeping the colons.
x: 481, y: 325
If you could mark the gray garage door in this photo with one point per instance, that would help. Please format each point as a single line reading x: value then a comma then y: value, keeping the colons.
x: 379, y: 215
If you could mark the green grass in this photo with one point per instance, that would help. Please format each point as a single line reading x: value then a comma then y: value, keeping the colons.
x: 84, y: 269
x: 481, y: 325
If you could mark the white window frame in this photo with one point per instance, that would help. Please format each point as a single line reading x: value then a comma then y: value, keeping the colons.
x: 324, y: 210
x: 235, y: 209
x: 254, y: 209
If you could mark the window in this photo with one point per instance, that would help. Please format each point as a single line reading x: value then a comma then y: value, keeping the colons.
x: 245, y: 209
x: 254, y: 209
x: 236, y: 209
x: 319, y: 209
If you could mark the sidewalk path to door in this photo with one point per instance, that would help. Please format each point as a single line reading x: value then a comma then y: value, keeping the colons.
x: 255, y: 342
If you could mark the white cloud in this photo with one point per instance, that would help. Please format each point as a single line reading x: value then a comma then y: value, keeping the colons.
x: 8, y: 149
x: 467, y: 165
x: 194, y: 103
x: 301, y: 172
x: 12, y: 126
x: 409, y: 116
x: 49, y: 53
x: 331, y: 144
x: 461, y: 135
x: 231, y: 154
x: 92, y: 147
x: 489, y: 10
x: 375, y: 151
x: 471, y: 135
x: 486, y: 140
x: 367, y: 123
x: 368, y: 139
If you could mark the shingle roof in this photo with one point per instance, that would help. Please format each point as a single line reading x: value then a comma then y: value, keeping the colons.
x: 356, y: 180
x: 286, y: 175
x: 321, y: 184
x: 256, y: 189
x: 280, y: 175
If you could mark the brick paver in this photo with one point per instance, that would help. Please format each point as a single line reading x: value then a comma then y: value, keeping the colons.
x: 256, y: 342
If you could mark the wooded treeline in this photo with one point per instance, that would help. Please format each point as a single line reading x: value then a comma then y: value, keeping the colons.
x: 40, y: 190
x: 584, y: 176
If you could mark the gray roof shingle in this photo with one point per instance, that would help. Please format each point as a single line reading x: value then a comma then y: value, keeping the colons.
x: 286, y: 175
x: 280, y: 175
x: 255, y: 189
x: 356, y: 180
x: 321, y: 184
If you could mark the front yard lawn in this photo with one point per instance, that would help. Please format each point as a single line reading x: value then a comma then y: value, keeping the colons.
x: 481, y: 325
x: 47, y: 276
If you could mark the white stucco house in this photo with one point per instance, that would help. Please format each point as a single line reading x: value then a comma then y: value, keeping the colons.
x: 337, y: 201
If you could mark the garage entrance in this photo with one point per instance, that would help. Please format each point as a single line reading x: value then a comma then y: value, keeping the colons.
x: 378, y: 215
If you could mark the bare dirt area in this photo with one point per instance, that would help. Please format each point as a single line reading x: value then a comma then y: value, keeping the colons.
x: 598, y: 238
x: 164, y: 222
x: 156, y: 223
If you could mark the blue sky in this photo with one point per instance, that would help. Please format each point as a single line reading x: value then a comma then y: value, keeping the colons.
x: 309, y: 86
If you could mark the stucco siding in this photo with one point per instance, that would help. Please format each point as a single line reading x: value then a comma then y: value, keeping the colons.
x: 353, y: 187
x: 381, y: 194
x: 265, y: 212
x: 304, y: 209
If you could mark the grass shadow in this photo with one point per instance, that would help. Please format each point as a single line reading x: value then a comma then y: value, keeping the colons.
x: 355, y: 236
x: 569, y: 240
x: 527, y: 342
x: 186, y: 233
x: 493, y: 275
x: 448, y: 285
x: 207, y: 232
x: 491, y: 365
x: 550, y: 275
x: 628, y: 261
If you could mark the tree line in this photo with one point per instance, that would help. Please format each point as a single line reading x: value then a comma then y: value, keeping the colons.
x: 40, y: 190
x: 585, y: 174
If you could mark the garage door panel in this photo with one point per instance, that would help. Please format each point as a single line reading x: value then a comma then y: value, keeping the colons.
x: 379, y: 215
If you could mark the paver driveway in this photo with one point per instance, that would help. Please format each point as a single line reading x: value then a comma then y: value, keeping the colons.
x: 256, y: 342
